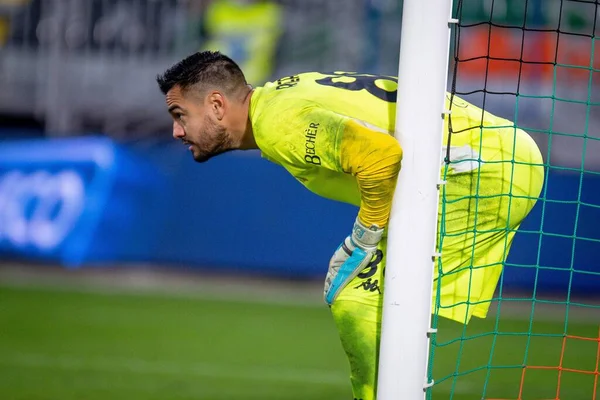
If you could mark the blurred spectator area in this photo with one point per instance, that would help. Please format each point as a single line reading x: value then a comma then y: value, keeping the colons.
x: 77, y: 66
x: 89, y: 65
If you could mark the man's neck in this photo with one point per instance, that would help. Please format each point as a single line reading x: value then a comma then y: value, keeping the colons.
x: 248, y: 142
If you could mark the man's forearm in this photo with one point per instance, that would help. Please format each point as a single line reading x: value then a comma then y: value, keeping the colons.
x: 374, y: 158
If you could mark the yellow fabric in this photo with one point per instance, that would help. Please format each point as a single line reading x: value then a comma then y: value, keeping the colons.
x: 477, y: 234
x: 493, y: 182
x: 494, y: 178
x: 248, y: 33
x: 323, y: 129
x: 374, y: 159
x: 357, y: 314
x: 329, y: 144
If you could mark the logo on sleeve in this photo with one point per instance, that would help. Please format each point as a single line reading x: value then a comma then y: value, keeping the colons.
x: 310, y: 145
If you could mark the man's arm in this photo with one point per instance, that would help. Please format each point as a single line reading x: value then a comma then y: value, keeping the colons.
x: 374, y: 158
x: 341, y: 144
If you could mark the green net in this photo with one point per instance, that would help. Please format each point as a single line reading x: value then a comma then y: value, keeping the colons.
x: 536, y: 63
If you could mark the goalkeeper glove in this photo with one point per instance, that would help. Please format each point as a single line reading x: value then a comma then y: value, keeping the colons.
x: 353, y: 255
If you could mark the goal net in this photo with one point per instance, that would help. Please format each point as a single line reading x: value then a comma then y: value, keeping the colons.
x: 536, y: 63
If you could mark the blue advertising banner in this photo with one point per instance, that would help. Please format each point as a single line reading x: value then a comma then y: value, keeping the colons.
x: 93, y: 202
x: 73, y: 200
x: 558, y: 244
x: 243, y: 213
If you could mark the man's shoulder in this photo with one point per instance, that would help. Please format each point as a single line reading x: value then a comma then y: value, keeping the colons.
x: 306, y: 89
x: 316, y: 79
x: 282, y: 98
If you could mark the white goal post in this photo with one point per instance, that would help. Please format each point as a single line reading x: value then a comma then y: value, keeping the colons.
x: 422, y: 77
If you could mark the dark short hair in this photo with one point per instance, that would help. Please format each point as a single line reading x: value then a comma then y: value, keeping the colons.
x: 206, y: 68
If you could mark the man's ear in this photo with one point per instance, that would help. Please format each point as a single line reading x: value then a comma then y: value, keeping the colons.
x: 217, y: 104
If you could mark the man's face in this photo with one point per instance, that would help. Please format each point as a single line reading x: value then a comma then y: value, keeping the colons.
x: 196, y: 123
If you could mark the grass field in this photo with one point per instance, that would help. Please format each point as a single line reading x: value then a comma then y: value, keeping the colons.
x: 73, y: 343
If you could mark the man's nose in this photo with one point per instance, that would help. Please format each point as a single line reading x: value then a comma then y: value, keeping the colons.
x: 178, y: 131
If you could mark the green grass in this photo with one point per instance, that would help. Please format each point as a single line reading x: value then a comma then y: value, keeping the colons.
x: 66, y: 344
x: 489, y: 361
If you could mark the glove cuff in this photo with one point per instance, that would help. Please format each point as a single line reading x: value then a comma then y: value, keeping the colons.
x: 366, y: 237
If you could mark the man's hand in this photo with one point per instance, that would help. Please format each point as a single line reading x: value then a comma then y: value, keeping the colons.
x: 353, y: 255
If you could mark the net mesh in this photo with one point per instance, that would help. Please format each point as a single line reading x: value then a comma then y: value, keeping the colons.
x: 535, y: 63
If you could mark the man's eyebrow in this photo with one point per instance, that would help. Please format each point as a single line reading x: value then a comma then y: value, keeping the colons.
x: 174, y: 107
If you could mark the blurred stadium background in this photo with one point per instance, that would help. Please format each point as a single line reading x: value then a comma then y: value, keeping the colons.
x: 129, y: 272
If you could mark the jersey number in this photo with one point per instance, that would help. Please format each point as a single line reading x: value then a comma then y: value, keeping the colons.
x: 362, y: 82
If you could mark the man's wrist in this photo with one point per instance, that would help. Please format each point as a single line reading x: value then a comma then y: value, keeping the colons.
x: 366, y: 236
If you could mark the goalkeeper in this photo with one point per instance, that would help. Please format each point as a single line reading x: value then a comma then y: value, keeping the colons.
x: 332, y: 132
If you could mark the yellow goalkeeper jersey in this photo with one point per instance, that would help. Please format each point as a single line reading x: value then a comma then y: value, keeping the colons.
x: 333, y: 133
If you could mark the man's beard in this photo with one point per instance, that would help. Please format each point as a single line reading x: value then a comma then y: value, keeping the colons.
x: 222, y: 143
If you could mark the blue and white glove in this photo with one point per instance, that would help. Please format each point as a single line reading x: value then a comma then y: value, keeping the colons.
x: 353, y: 255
